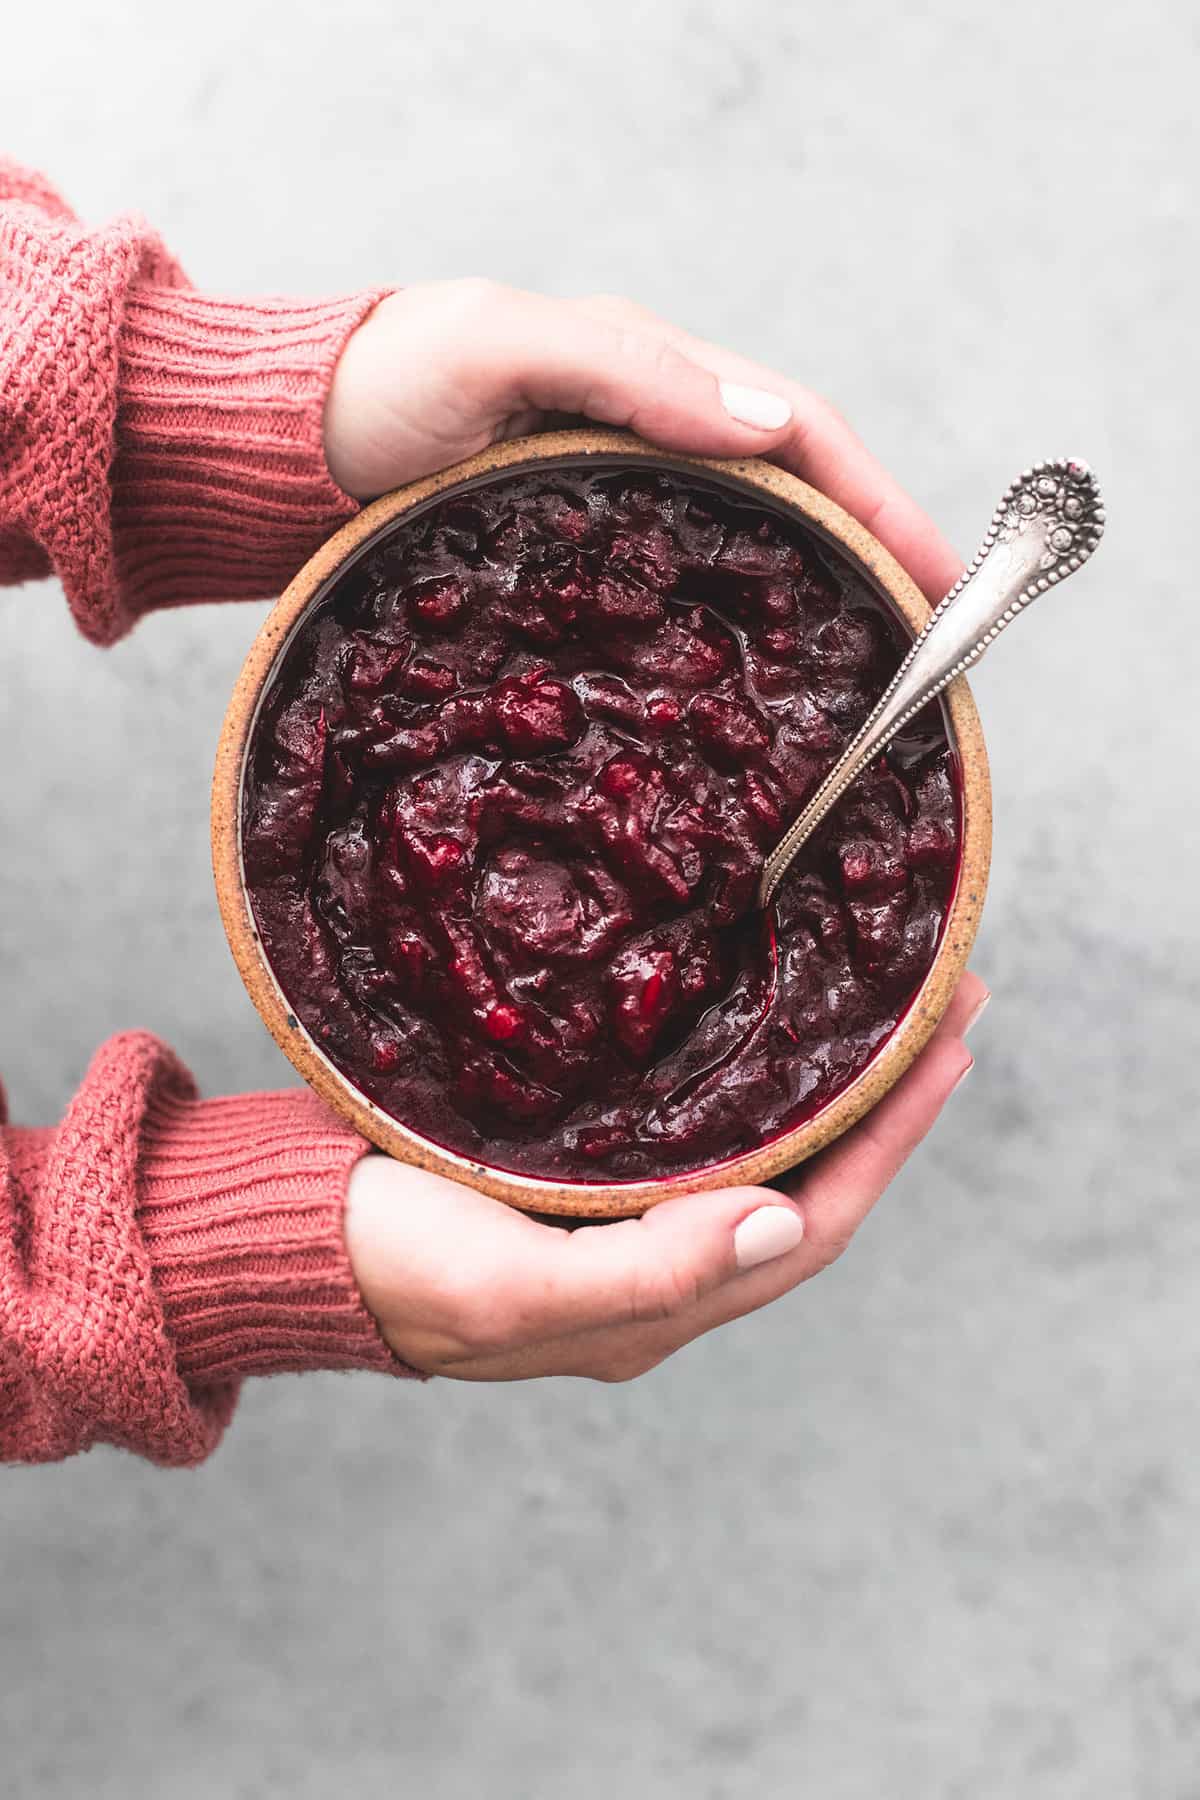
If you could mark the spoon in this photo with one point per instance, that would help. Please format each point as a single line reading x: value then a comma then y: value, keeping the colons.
x: 1046, y: 526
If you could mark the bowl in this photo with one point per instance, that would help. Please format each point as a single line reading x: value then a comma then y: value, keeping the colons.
x: 606, y: 1198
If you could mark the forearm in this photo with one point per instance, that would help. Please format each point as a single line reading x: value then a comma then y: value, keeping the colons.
x: 156, y: 1248
x: 157, y: 446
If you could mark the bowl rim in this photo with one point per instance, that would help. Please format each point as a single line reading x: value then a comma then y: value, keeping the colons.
x: 549, y: 1195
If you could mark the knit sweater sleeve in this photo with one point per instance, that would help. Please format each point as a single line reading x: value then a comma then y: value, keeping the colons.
x: 157, y: 446
x: 155, y: 1248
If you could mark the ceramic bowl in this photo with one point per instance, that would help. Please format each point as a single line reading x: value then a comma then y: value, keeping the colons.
x: 598, y: 1199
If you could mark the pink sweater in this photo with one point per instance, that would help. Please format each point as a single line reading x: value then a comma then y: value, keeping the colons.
x: 159, y: 447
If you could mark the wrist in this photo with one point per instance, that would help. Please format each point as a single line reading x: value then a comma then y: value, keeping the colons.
x: 355, y: 413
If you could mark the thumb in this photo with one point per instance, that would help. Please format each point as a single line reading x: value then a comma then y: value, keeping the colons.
x: 450, y: 1273
x: 656, y: 1268
x: 539, y: 354
x: 439, y: 371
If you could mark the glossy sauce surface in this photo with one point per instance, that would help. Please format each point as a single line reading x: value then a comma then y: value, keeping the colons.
x: 507, y: 802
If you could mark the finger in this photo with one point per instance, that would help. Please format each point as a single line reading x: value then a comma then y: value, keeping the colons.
x: 824, y: 451
x: 822, y: 448
x: 839, y: 1188
x: 613, y: 1354
x: 548, y: 356
x: 966, y: 1003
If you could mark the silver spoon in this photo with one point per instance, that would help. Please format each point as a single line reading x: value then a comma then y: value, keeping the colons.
x: 1046, y: 526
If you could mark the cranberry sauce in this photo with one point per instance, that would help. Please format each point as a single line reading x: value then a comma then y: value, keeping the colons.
x: 508, y: 799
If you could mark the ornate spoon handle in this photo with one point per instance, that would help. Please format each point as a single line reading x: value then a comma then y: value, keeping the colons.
x: 1046, y: 526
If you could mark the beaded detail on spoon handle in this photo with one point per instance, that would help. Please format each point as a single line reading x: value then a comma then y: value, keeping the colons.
x: 1048, y: 522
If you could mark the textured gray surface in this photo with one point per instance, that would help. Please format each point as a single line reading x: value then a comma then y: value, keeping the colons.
x: 931, y: 1527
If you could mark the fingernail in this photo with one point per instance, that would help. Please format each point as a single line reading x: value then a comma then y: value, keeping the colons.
x: 755, y: 406
x: 980, y: 1008
x: 969, y: 1066
x: 769, y: 1232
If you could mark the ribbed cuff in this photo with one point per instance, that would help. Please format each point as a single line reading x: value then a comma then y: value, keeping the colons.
x: 220, y: 487
x: 240, y: 1206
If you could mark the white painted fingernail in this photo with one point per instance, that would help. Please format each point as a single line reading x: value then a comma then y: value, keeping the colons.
x: 983, y: 1004
x: 769, y: 1232
x: 755, y: 406
x: 964, y: 1074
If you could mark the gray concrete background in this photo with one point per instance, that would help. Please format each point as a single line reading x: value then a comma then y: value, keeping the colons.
x: 931, y: 1526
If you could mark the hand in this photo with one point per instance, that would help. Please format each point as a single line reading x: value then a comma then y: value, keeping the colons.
x: 438, y: 372
x: 462, y: 1285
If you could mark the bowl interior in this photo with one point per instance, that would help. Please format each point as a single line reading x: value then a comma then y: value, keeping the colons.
x: 606, y: 1198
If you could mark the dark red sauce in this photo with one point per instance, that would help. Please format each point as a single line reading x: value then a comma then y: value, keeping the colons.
x: 507, y: 802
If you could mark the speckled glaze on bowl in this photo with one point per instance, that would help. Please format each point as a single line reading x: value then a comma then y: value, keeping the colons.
x: 584, y: 1199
